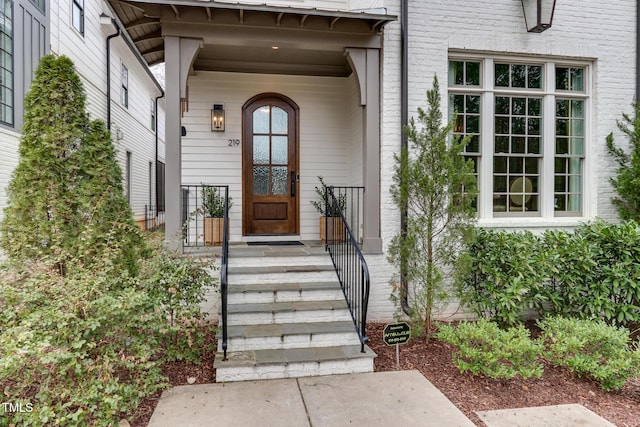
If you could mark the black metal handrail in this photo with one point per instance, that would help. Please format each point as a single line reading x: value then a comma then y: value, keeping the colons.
x: 223, y: 273
x: 349, y: 264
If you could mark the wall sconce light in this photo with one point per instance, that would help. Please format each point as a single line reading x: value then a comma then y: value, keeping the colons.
x: 217, y: 118
x: 538, y: 14
x: 119, y: 134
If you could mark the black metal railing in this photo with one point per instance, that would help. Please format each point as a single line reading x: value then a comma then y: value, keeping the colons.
x: 223, y: 274
x: 203, y: 214
x: 350, y: 201
x: 205, y: 219
x: 348, y: 262
x: 153, y: 218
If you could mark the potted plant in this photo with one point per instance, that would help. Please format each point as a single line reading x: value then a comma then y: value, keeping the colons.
x: 330, y: 211
x: 213, y: 222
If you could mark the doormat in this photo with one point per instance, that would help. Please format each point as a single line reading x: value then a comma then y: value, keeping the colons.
x: 281, y: 243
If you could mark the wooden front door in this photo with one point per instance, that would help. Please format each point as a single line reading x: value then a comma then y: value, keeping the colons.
x: 270, y: 165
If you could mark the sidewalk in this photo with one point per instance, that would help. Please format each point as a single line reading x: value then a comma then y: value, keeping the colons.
x: 381, y: 399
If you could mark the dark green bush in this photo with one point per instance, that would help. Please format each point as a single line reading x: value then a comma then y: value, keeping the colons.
x: 591, y: 348
x: 502, y: 275
x: 486, y: 349
x: 591, y: 272
x: 85, y: 347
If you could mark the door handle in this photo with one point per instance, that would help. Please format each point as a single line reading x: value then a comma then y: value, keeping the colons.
x: 293, y: 183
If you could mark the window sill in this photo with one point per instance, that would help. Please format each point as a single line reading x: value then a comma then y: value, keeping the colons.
x: 532, y: 222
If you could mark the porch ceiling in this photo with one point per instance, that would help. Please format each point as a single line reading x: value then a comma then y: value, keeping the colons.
x: 251, y: 38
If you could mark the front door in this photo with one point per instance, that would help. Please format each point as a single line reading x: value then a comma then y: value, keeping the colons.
x: 270, y: 165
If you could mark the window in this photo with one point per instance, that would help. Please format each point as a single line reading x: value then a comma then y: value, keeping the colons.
x: 125, y: 87
x: 153, y: 115
x: 77, y: 15
x: 527, y: 124
x: 39, y: 4
x: 160, y: 186
x: 6, y: 63
x: 127, y: 177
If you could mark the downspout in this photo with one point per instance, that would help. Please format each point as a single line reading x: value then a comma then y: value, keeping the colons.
x: 404, y: 144
x: 156, y: 152
x: 109, y: 37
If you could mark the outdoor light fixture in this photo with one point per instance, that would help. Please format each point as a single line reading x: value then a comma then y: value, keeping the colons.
x: 217, y: 118
x: 538, y: 14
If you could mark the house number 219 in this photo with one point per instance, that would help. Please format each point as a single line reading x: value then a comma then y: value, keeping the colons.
x: 234, y: 142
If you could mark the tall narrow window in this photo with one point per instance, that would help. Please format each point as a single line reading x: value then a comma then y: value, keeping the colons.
x: 153, y: 115
x: 160, y: 186
x: 6, y: 63
x: 77, y: 15
x: 125, y: 87
x: 128, y: 177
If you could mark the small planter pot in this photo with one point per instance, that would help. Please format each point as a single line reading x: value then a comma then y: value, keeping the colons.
x: 336, y: 229
x: 213, y: 230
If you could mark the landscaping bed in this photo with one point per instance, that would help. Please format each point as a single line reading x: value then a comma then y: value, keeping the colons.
x: 470, y: 393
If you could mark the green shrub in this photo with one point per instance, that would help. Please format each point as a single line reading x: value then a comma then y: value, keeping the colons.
x: 178, y: 284
x: 86, y: 347
x: 502, y: 275
x: 486, y: 349
x: 597, y: 271
x: 592, y: 348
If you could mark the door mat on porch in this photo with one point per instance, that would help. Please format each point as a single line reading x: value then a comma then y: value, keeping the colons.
x: 281, y: 243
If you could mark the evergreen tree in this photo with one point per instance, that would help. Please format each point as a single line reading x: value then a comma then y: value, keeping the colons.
x: 627, y: 182
x: 65, y: 199
x: 438, y: 186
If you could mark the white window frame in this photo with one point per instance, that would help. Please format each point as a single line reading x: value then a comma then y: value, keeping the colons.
x: 78, y: 5
x: 546, y: 215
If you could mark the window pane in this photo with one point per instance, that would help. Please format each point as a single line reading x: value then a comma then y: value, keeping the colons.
x: 577, y: 77
x: 502, y: 125
x: 562, y: 78
x: 502, y: 144
x: 279, y: 180
x: 261, y: 120
x: 456, y: 73
x: 279, y: 150
x: 261, y: 180
x: 502, y: 75
x: 535, y: 107
x: 473, y: 104
x: 502, y: 105
x: 279, y: 120
x: 535, y: 77
x: 473, y: 73
x: 260, y: 149
x: 518, y: 75
x: 518, y: 106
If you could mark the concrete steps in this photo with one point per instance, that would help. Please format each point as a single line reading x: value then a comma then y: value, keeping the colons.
x: 287, y: 317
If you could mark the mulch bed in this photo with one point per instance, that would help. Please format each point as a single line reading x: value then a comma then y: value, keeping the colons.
x: 469, y: 393
x: 433, y: 359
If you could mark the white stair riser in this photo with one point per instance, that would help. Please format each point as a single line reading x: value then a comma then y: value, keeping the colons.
x: 285, y: 296
x: 292, y: 341
x: 301, y: 316
x: 279, y: 261
x: 284, y: 277
x: 294, y: 370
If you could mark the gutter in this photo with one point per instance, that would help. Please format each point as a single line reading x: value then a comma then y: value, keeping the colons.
x: 108, y: 42
x: 404, y: 143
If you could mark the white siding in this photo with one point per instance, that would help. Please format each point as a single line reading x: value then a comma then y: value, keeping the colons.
x: 133, y: 124
x: 9, y: 143
x: 325, y: 135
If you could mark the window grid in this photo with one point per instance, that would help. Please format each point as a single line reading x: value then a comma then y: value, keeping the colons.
x: 522, y: 148
x: 569, y: 155
x: 466, y: 109
x: 77, y: 15
x: 125, y: 87
x: 6, y: 63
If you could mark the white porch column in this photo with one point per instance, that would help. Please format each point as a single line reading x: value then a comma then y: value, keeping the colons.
x: 179, y: 55
x: 365, y: 63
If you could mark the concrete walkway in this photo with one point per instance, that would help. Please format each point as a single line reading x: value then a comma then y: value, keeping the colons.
x: 380, y: 399
x: 403, y: 398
